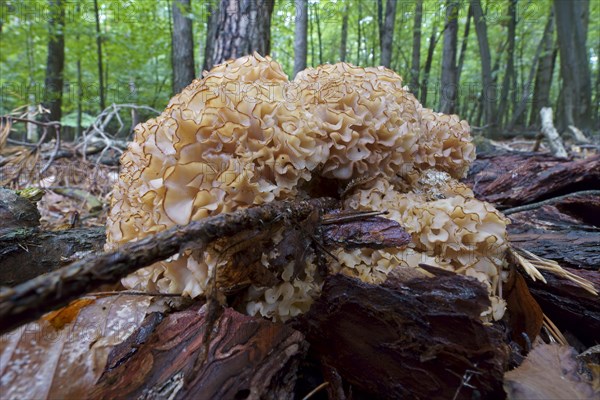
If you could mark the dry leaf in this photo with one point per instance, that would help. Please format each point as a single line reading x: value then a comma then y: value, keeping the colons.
x: 549, y: 372
x: 39, y: 362
x: 59, y: 318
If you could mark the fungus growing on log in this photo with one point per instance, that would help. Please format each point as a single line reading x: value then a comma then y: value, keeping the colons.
x: 245, y: 135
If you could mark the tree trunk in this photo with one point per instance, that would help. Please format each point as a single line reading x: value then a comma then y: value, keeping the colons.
x: 545, y: 69
x: 344, y: 40
x: 56, y: 59
x: 430, y: 50
x: 300, y: 36
x: 571, y: 27
x: 448, y: 80
x: 243, y: 27
x: 100, y: 60
x: 182, y: 46
x: 415, y: 65
x: 319, y: 36
x: 489, y: 88
x: 520, y: 109
x: 509, y: 74
x: 463, y: 51
x: 359, y: 41
x: 212, y: 19
x: 388, y: 33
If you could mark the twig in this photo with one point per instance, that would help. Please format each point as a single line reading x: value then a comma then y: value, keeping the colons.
x: 532, y: 206
x: 33, y: 298
x: 316, y: 390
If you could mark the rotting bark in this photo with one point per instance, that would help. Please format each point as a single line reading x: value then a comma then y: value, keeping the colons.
x: 31, y: 299
x: 29, y: 252
x: 423, y: 335
x: 513, y: 179
x: 248, y: 357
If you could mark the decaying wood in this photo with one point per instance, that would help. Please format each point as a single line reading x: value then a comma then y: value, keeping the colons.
x: 16, y: 212
x: 248, y: 358
x: 31, y: 299
x: 566, y: 231
x: 571, y: 308
x: 552, y: 136
x: 415, y: 339
x: 513, y: 179
x: 29, y: 252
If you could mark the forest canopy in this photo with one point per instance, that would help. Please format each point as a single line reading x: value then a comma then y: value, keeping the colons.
x: 126, y: 51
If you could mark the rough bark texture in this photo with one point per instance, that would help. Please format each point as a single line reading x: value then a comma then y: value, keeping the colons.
x: 56, y: 59
x: 212, y: 18
x: 31, y: 299
x: 509, y: 74
x: 388, y: 33
x: 245, y: 358
x: 243, y: 27
x: 28, y: 252
x: 344, y: 39
x: 414, y: 339
x: 425, y: 82
x: 571, y: 28
x: 513, y: 179
x: 489, y: 87
x: 449, y: 85
x: 182, y: 46
x: 300, y: 36
x: 415, y: 65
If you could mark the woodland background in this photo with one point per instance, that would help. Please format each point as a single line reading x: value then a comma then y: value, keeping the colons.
x: 493, y: 62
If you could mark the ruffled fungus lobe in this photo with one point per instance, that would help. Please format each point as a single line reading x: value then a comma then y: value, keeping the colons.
x: 244, y: 135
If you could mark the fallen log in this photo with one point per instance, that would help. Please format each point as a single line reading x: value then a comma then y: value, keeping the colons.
x: 247, y: 357
x: 29, y: 252
x: 512, y: 179
x: 29, y: 300
x: 422, y: 338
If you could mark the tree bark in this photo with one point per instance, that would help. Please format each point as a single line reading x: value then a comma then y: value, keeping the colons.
x: 319, y: 37
x: 56, y: 60
x: 344, y: 39
x: 463, y: 52
x: 243, y: 27
x: 509, y: 74
x: 300, y: 36
x: 212, y: 19
x: 571, y: 27
x: 545, y: 69
x: 182, y: 46
x: 388, y: 33
x: 415, y: 65
x: 430, y: 50
x: 489, y: 88
x: 100, y: 59
x: 359, y: 41
x: 449, y: 89
x: 556, y: 145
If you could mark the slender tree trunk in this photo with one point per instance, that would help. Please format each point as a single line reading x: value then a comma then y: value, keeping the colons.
x: 319, y: 37
x: 571, y: 27
x: 510, y: 62
x: 182, y: 45
x: 448, y: 82
x: 344, y: 39
x: 79, y: 84
x: 56, y: 59
x: 99, y: 54
x: 430, y: 50
x: 388, y: 33
x: 212, y: 20
x: 243, y: 27
x: 415, y: 65
x: 300, y: 36
x: 380, y: 20
x: 310, y: 36
x: 545, y: 71
x: 463, y: 51
x: 489, y: 88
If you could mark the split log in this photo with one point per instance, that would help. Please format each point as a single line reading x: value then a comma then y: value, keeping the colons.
x: 247, y: 358
x: 566, y: 231
x: 512, y: 179
x: 422, y: 338
x: 29, y: 300
x: 29, y: 252
x: 552, y: 136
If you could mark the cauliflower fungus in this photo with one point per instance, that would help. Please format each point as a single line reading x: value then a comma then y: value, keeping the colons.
x: 245, y: 135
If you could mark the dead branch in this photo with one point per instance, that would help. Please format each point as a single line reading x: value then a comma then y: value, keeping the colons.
x: 554, y: 140
x: 31, y: 299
